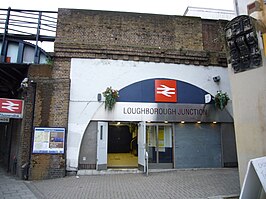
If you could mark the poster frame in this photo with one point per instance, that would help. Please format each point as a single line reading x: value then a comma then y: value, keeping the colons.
x: 45, y: 144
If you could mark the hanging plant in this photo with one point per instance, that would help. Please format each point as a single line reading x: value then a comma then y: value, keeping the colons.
x: 111, y: 96
x: 221, y: 99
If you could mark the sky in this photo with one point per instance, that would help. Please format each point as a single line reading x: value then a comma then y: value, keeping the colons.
x: 165, y: 7
x: 168, y: 7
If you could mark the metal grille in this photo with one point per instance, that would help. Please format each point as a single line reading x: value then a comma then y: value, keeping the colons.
x: 87, y: 166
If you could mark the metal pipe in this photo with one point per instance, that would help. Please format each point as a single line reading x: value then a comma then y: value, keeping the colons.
x: 236, y: 7
x: 147, y: 162
x: 34, y: 86
x: 36, y: 53
x: 4, y: 40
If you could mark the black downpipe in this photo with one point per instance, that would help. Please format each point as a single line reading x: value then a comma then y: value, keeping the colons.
x: 27, y: 165
x: 9, y: 134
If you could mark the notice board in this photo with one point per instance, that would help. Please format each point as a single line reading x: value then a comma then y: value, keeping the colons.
x: 49, y: 140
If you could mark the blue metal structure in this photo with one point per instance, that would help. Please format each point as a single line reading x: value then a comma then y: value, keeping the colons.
x: 21, y: 32
x: 26, y: 25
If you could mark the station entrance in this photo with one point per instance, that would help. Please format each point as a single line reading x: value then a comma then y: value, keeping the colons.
x: 159, y: 139
x: 122, y: 147
x: 134, y: 144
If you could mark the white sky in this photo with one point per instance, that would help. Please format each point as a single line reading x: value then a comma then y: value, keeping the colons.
x: 171, y: 7
x: 168, y: 7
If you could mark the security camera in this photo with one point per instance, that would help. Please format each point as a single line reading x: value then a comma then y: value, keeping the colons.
x: 25, y: 80
x: 216, y: 78
x: 24, y: 83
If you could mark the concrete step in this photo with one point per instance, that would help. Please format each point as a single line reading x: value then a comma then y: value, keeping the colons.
x: 108, y: 171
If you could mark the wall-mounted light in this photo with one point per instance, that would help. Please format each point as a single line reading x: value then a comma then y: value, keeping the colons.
x: 198, y: 122
x: 166, y: 122
x: 214, y: 122
x: 182, y: 122
x: 216, y: 78
x: 99, y: 97
x: 208, y: 98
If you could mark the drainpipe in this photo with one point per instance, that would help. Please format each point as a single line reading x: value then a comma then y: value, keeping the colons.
x: 27, y: 165
x: 236, y: 7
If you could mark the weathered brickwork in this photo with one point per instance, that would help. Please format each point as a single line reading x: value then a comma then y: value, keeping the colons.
x: 50, y: 110
x: 45, y: 166
x: 133, y: 30
x: 213, y: 35
x: 61, y: 68
x: 26, y: 132
x: 139, y: 37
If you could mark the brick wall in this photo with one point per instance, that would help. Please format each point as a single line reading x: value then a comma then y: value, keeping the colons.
x: 139, y: 37
x: 51, y: 110
x: 26, y: 131
x: 213, y: 35
x: 117, y: 29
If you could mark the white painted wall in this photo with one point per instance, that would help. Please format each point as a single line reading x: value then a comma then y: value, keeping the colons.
x: 208, y: 13
x: 12, y: 52
x: 249, y: 103
x: 241, y: 6
x: 92, y: 76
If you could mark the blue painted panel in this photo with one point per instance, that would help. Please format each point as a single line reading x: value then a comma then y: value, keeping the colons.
x: 167, y: 156
x: 197, y: 146
x: 144, y: 91
x: 187, y: 93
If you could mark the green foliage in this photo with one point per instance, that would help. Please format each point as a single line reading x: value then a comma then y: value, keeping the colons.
x: 49, y: 60
x: 111, y: 96
x: 221, y: 99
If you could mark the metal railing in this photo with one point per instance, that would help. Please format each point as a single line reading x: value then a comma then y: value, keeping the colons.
x: 146, y: 169
x: 26, y: 25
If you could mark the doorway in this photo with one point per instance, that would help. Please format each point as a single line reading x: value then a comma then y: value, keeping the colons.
x: 159, y: 145
x: 122, y: 145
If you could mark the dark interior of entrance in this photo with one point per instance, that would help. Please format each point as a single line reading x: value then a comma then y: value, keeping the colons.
x: 11, y: 77
x: 122, y: 145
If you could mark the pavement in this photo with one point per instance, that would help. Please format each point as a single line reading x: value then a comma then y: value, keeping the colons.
x: 173, y: 184
x: 11, y: 188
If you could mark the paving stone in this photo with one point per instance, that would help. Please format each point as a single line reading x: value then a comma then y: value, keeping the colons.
x: 173, y: 184
x: 202, y: 183
x: 11, y: 188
